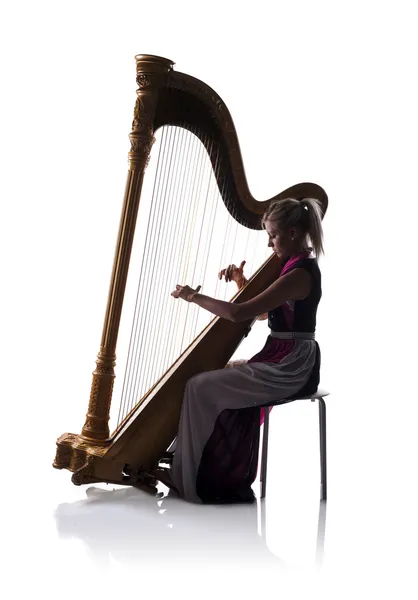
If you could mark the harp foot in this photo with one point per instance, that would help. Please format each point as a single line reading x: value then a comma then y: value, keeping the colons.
x: 85, y: 473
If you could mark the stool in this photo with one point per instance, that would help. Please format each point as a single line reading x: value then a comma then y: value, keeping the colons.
x: 319, y: 395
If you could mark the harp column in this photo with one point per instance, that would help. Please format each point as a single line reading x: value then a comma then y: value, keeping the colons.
x: 152, y: 74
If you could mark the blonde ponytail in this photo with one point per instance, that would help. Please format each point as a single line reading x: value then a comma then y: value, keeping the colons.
x: 314, y: 224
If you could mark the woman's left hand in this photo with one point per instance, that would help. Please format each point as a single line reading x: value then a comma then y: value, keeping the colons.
x: 185, y: 292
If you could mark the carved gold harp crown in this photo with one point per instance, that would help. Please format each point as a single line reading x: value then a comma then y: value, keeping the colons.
x: 196, y: 215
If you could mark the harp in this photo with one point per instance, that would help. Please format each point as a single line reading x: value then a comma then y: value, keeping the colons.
x: 155, y: 375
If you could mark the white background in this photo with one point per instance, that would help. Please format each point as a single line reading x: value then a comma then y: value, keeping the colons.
x: 319, y: 91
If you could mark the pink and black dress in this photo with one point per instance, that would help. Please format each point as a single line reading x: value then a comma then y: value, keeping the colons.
x: 216, y: 454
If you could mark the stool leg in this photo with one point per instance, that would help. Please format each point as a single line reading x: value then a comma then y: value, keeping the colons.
x: 263, y: 474
x: 323, y: 446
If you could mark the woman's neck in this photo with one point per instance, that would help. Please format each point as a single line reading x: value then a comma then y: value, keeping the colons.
x: 300, y: 251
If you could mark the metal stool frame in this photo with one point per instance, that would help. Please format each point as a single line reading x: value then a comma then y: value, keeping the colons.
x: 319, y: 395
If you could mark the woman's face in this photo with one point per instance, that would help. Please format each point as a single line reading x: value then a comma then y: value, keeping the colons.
x: 281, y: 242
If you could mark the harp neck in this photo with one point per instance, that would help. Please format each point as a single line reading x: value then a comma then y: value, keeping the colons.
x: 173, y: 98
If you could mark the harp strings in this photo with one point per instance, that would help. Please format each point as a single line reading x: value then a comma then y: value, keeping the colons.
x: 193, y: 245
x: 164, y: 250
x: 189, y: 237
x: 137, y: 328
x: 182, y: 247
x: 171, y: 244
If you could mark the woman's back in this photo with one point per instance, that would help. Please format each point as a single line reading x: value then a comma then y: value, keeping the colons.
x: 299, y: 315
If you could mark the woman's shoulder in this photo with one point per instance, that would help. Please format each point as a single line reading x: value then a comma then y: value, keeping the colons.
x: 310, y: 264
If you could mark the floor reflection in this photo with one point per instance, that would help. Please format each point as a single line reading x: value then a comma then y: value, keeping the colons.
x: 127, y: 525
x: 320, y: 538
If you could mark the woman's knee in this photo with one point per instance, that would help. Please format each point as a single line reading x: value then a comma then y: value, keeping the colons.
x: 204, y: 380
x: 235, y: 363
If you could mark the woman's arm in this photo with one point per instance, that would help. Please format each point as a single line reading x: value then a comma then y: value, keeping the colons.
x: 244, y: 281
x: 262, y: 317
x: 292, y: 286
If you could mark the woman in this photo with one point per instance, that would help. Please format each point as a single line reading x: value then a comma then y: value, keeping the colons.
x: 215, y: 459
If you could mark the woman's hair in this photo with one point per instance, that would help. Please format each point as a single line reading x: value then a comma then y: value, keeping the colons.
x: 305, y: 214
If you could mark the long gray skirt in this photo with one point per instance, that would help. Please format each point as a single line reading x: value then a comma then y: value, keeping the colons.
x: 212, y: 393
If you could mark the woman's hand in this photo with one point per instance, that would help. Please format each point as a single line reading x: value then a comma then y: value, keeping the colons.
x: 185, y: 292
x: 234, y: 273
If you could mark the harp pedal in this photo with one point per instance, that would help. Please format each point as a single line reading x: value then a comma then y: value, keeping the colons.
x: 167, y: 459
x: 139, y: 479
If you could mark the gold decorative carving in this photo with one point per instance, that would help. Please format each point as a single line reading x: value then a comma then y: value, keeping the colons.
x: 96, y: 425
x: 84, y: 473
x: 140, y: 144
x: 74, y: 453
x: 105, y: 370
x: 63, y: 456
x: 143, y: 80
x: 141, y: 149
x: 136, y: 123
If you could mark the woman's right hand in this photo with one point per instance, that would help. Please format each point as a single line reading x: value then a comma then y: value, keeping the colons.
x: 234, y: 273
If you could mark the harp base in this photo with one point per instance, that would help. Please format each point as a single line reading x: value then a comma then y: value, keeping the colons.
x: 88, y: 464
x: 142, y: 440
x: 76, y: 455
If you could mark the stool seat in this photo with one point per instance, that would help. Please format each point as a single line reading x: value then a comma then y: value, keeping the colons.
x: 319, y: 396
x: 315, y: 396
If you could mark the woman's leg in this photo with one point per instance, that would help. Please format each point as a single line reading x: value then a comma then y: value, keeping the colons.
x: 169, y: 454
x: 210, y: 393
